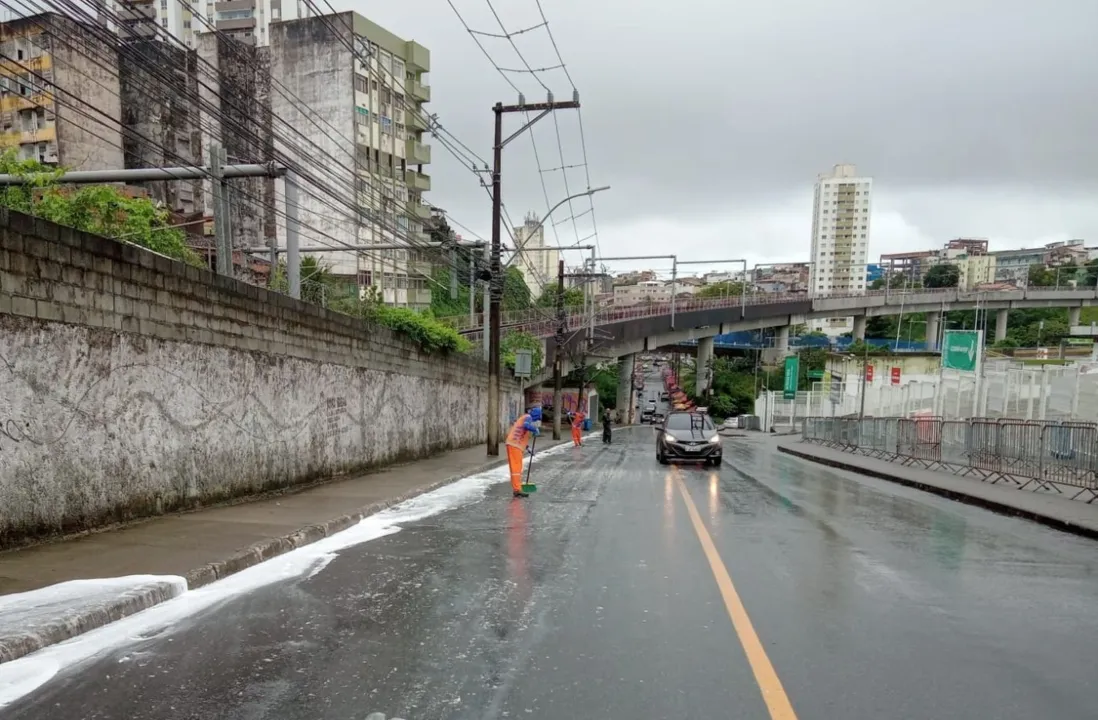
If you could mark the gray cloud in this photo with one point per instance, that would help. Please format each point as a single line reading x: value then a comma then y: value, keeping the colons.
x: 712, y: 114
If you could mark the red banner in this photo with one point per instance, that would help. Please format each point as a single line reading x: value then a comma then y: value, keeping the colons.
x: 869, y: 373
x: 895, y: 376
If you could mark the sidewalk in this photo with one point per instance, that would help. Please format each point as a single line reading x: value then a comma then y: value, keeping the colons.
x: 1073, y: 516
x: 204, y: 545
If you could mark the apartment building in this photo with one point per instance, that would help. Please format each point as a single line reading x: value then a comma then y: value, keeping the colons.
x: 841, y: 212
x: 373, y: 116
x: 649, y: 291
x: 41, y: 54
x: 539, y: 268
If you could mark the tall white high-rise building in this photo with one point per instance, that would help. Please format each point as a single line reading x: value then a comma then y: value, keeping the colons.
x: 840, y: 239
x: 539, y: 269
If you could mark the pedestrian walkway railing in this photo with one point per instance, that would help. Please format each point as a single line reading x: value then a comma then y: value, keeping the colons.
x: 1060, y: 457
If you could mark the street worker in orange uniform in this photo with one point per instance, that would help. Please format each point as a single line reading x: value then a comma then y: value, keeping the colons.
x: 577, y: 427
x: 517, y: 439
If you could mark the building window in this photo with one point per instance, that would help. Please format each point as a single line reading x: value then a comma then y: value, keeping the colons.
x: 164, y: 22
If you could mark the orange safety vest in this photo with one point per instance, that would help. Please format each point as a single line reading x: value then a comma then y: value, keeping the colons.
x: 518, y: 436
x: 577, y: 420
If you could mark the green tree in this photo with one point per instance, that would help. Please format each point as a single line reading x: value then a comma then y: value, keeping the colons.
x: 1041, y: 276
x: 318, y: 286
x: 516, y: 293
x: 1091, y: 273
x: 573, y: 297
x: 97, y: 209
x: 721, y: 289
x: 517, y: 340
x: 942, y: 276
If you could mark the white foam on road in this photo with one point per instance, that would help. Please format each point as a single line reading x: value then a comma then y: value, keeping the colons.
x: 23, y: 676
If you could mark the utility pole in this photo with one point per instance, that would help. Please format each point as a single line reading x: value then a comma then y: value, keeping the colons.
x: 224, y: 258
x: 496, y: 294
x: 293, y: 246
x: 558, y: 352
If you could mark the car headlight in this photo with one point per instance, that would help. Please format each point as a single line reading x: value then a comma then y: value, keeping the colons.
x: 715, y: 439
x: 669, y: 438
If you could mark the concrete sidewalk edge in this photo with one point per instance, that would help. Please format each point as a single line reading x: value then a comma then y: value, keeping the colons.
x: 13, y: 647
x: 986, y: 503
x: 16, y: 646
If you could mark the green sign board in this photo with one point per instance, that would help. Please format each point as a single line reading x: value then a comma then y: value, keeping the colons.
x: 961, y: 350
x: 792, y: 370
x: 815, y: 374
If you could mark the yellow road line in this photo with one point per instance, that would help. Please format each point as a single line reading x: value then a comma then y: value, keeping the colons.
x: 777, y: 702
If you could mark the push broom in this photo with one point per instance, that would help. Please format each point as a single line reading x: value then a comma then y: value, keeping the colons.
x: 528, y: 487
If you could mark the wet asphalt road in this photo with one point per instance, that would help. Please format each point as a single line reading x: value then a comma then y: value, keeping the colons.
x: 594, y: 598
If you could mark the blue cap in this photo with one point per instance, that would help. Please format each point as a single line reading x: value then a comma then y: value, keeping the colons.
x: 535, y: 413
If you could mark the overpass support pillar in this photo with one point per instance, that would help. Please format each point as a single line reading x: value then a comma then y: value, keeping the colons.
x: 1001, y: 324
x: 781, y: 342
x: 932, y: 320
x: 703, y: 370
x: 859, y: 327
x: 1073, y: 316
x: 625, y: 388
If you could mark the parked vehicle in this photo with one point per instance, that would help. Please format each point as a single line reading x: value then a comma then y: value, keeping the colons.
x: 688, y: 437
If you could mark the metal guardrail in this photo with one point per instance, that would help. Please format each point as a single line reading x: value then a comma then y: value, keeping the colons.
x: 531, y: 320
x: 1049, y: 456
x: 466, y: 323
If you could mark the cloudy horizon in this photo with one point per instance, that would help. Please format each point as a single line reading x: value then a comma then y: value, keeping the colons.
x: 712, y: 121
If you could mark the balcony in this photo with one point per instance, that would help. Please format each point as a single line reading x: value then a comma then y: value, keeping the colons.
x: 238, y: 24
x: 421, y: 211
x: 417, y: 57
x: 419, y: 91
x: 415, y: 120
x: 416, y: 153
x: 417, y: 181
x: 234, y: 5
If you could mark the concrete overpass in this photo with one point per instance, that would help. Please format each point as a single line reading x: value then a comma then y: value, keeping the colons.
x: 623, y: 332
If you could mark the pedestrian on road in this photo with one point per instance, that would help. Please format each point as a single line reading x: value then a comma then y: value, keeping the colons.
x: 606, y: 425
x: 517, y: 440
x: 577, y: 427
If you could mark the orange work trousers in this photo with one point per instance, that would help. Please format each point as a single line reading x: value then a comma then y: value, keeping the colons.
x: 514, y: 461
x: 577, y: 436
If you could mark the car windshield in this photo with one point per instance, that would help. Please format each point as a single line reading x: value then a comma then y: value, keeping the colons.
x: 688, y: 421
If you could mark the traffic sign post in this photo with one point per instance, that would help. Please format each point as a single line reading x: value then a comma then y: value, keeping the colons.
x: 792, y: 370
x: 961, y: 350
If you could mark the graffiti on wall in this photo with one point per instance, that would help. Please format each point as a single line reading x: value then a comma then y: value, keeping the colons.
x: 95, y: 426
x: 569, y: 399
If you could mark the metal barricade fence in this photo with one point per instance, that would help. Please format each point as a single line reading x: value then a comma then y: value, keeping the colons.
x: 956, y: 443
x: 1069, y: 455
x: 1019, y: 449
x: 984, y: 447
x: 1044, y: 454
x: 920, y: 440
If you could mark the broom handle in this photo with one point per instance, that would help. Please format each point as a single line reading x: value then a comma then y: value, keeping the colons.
x: 530, y: 465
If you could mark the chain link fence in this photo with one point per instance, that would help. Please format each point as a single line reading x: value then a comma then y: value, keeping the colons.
x: 1057, y: 456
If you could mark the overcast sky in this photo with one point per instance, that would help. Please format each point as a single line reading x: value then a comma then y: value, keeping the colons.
x: 711, y: 120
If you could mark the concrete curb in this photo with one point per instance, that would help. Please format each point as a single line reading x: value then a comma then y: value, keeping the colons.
x: 134, y: 601
x: 128, y: 603
x: 986, y: 503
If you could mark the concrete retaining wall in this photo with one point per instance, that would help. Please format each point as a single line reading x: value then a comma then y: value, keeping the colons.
x: 131, y: 384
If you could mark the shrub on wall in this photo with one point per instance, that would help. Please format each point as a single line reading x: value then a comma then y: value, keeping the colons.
x: 98, y: 209
x: 432, y: 335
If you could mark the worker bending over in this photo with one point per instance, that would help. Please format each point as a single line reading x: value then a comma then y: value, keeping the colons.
x: 517, y: 440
